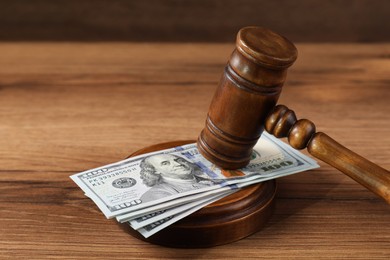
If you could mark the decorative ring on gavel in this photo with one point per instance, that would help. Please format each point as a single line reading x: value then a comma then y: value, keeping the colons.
x: 282, y: 122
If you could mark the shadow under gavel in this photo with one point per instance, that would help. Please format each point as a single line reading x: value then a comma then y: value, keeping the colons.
x: 244, y: 104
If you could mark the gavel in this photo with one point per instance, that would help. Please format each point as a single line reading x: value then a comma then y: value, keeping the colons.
x: 244, y: 104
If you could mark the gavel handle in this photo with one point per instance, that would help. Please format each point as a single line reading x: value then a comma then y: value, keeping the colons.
x: 367, y: 173
x: 301, y: 133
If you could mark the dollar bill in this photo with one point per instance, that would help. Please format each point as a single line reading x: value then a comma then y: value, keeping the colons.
x: 161, y: 215
x: 176, y: 213
x: 159, y: 212
x: 169, y: 177
x: 159, y: 225
x: 162, y: 221
x: 174, y: 203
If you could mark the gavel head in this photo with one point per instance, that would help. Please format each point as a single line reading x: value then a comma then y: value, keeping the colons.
x: 248, y: 90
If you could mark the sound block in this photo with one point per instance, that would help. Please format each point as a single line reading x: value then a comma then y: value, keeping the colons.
x: 227, y: 220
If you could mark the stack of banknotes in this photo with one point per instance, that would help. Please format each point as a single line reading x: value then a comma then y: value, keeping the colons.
x: 154, y: 190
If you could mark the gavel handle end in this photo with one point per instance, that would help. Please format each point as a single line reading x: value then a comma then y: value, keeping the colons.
x: 368, y: 174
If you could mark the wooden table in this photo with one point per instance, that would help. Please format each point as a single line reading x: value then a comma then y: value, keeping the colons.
x: 69, y: 107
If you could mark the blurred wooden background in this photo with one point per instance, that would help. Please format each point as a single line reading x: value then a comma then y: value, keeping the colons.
x: 192, y: 20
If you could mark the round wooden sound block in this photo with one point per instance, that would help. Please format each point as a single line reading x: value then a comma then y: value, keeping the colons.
x: 227, y: 220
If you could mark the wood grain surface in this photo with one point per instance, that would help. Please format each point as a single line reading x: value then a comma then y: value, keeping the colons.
x: 69, y: 107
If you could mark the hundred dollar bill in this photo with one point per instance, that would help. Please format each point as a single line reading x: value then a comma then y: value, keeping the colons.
x: 179, y: 212
x: 166, y: 208
x: 154, y: 214
x: 164, y: 221
x: 174, y: 203
x: 159, y: 225
x: 168, y: 213
x: 170, y: 175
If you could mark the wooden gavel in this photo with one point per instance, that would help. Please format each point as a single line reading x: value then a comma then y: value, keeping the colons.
x: 244, y: 104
